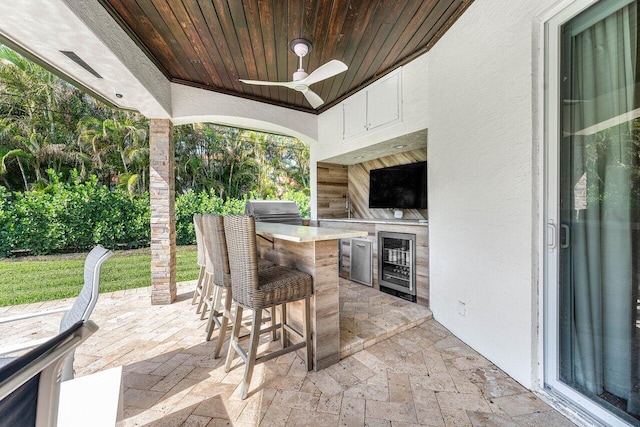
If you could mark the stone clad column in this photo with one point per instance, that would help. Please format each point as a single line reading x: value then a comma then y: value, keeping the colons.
x: 163, y: 218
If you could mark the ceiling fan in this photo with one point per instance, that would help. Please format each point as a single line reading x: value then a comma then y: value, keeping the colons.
x: 301, y: 80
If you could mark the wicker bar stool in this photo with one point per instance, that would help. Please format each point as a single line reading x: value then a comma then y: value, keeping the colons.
x: 256, y: 290
x: 198, y: 293
x: 208, y: 294
x: 218, y: 258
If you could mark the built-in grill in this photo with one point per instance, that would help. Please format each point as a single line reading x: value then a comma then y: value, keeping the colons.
x: 279, y: 211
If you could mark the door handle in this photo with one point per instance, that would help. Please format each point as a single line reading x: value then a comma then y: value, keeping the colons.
x: 552, y: 240
x: 567, y: 236
x: 360, y: 245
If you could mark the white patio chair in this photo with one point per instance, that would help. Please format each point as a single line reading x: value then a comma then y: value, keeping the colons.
x: 79, y: 311
x: 32, y: 394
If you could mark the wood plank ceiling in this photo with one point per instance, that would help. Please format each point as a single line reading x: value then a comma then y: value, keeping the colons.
x: 213, y: 43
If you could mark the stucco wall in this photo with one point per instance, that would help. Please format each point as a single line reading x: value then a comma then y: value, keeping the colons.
x: 482, y: 187
x: 477, y: 100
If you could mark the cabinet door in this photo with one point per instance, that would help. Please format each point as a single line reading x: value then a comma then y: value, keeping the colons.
x: 383, y: 101
x: 355, y: 115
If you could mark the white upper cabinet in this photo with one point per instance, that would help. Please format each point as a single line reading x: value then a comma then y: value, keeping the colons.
x: 355, y: 115
x: 383, y: 101
x: 376, y: 106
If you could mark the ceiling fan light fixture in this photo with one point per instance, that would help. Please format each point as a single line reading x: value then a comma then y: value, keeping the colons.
x: 301, y: 47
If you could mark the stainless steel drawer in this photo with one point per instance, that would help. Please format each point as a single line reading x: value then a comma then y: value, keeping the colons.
x: 361, y: 270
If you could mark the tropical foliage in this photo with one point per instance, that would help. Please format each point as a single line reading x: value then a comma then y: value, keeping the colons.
x: 46, y: 123
x: 37, y: 129
x: 66, y: 217
x: 236, y: 162
x: 74, y: 171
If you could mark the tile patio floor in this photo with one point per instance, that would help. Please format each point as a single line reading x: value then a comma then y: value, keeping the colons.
x: 403, y: 372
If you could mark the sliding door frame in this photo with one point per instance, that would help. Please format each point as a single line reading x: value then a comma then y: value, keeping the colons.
x: 580, y: 405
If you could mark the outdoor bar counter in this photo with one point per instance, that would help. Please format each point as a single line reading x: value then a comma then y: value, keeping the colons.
x: 313, y: 250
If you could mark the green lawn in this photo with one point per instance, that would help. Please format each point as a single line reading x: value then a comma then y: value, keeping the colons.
x: 43, y: 278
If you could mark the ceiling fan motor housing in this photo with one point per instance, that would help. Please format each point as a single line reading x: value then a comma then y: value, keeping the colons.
x: 299, y: 75
x: 300, y: 47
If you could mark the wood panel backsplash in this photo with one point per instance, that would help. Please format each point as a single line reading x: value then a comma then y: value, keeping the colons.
x: 333, y: 184
x: 358, y: 183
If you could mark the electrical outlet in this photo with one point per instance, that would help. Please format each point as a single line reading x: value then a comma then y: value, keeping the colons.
x: 462, y: 308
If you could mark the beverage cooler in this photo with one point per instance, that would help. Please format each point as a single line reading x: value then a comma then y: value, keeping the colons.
x: 396, y: 264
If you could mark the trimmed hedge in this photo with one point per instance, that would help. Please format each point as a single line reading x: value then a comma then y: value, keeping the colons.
x: 68, y: 217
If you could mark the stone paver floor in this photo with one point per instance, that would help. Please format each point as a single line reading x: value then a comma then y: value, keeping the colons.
x: 368, y: 316
x: 397, y: 375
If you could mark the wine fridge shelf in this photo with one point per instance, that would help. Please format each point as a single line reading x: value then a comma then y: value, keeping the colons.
x: 391, y: 276
x: 397, y: 264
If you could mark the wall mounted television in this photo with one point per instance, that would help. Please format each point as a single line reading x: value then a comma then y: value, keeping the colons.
x: 399, y: 187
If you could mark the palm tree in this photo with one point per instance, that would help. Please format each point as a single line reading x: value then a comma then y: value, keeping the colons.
x: 198, y: 164
x: 123, y: 135
x: 235, y: 162
x: 266, y: 178
x: 19, y: 157
x: 47, y: 123
x: 239, y: 164
x: 138, y: 158
x: 126, y: 131
x: 29, y: 124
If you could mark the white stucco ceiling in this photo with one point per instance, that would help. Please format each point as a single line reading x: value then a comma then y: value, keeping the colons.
x: 43, y: 28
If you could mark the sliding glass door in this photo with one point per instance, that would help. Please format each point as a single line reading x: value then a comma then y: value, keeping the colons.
x: 597, y: 207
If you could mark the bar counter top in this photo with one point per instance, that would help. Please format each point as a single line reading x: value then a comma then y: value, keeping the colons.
x: 423, y: 222
x: 301, y: 233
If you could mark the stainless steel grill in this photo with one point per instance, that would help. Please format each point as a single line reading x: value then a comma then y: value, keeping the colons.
x: 278, y: 211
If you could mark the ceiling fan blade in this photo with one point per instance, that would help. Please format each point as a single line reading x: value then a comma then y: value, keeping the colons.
x: 265, y: 83
x: 327, y: 70
x: 313, y: 98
